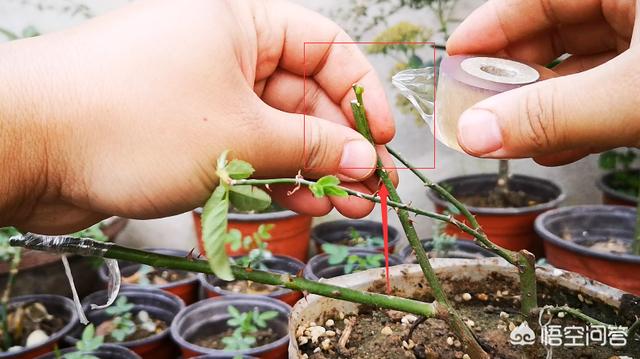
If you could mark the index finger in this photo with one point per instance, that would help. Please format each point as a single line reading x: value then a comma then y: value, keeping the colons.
x: 334, y: 62
x: 496, y: 25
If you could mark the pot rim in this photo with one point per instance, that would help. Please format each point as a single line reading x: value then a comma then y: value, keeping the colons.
x: 508, y: 211
x: 137, y: 290
x: 549, y: 274
x: 107, y: 346
x: 191, y: 279
x: 258, y: 301
x: 345, y: 224
x: 405, y: 252
x: 55, y: 337
x: 308, y: 273
x: 601, y: 183
x: 552, y: 238
x: 257, y: 217
x: 204, y: 283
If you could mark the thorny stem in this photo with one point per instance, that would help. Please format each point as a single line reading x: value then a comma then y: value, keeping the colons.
x: 6, y: 296
x: 471, y: 345
x: 573, y: 312
x: 89, y: 247
x: 522, y: 260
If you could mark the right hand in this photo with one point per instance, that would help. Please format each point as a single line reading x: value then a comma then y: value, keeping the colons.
x: 591, y: 107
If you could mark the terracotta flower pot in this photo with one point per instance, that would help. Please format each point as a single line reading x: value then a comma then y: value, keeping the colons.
x: 569, y: 232
x: 289, y: 236
x: 408, y: 280
x: 337, y: 232
x: 512, y: 227
x: 279, y: 264
x: 462, y: 249
x: 610, y: 195
x: 57, y: 306
x: 105, y: 351
x: 158, y: 303
x: 186, y: 289
x: 319, y: 267
x: 210, y: 316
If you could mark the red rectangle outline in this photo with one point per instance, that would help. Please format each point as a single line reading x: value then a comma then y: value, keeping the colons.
x: 304, y: 97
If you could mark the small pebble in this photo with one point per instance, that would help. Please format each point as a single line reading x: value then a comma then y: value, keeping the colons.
x: 561, y: 315
x: 457, y: 344
x: 466, y: 297
x: 482, y: 297
x: 329, y: 323
x: 449, y: 341
x: 504, y: 315
x: 505, y: 292
x: 409, y: 345
x: 300, y: 331
x: 317, y: 350
x: 386, y: 331
x: 36, y: 337
x: 511, y: 326
x: 326, y: 344
x: 458, y: 355
x: 312, y: 324
x: 305, y: 356
x: 466, y: 356
x: 408, y: 319
x: 341, y: 315
x: 580, y: 298
x: 330, y: 333
x: 457, y: 298
x: 470, y: 323
x: 15, y: 348
x: 316, y: 332
x: 302, y: 340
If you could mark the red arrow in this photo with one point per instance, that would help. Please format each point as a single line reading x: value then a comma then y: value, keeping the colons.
x: 384, y: 193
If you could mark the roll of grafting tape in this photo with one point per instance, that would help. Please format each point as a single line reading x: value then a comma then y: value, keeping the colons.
x: 465, y: 80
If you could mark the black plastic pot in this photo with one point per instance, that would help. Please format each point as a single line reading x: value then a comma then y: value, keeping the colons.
x: 512, y: 227
x: 462, y: 249
x: 610, y: 195
x: 279, y: 264
x: 158, y: 303
x: 210, y: 316
x: 568, y: 233
x: 186, y: 289
x: 105, y: 351
x: 335, y: 232
x: 57, y: 306
x: 319, y: 267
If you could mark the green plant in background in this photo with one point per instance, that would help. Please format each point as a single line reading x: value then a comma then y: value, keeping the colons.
x: 88, y: 343
x: 123, y: 324
x: 406, y: 55
x: 620, y: 164
x: 357, y: 239
x: 245, y: 324
x: 256, y: 244
x: 352, y: 263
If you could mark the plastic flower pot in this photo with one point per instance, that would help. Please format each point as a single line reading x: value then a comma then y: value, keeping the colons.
x: 59, y: 307
x: 408, y: 281
x: 158, y: 303
x: 209, y: 317
x: 339, y: 232
x: 223, y: 357
x: 289, y: 236
x: 186, y: 289
x: 105, y: 351
x: 611, y: 195
x: 511, y: 227
x: 279, y: 264
x: 569, y: 232
x: 319, y: 267
x: 461, y: 249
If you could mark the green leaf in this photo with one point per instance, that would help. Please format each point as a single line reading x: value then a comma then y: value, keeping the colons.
x: 335, y: 191
x: 233, y: 311
x: 607, y: 160
x: 214, y: 227
x: 327, y: 186
x: 268, y: 315
x: 247, y: 198
x: 88, y: 332
x: 337, y: 254
x: 234, y: 239
x: 237, y: 169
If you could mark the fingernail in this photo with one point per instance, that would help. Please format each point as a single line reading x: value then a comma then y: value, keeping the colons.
x: 479, y: 132
x: 358, y: 160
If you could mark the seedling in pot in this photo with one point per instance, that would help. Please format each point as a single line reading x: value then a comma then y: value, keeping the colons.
x: 256, y: 244
x: 358, y: 239
x: 245, y: 327
x: 620, y: 164
x: 88, y: 343
x: 352, y: 263
x: 125, y: 326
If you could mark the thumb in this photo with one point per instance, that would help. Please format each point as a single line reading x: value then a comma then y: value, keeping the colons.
x: 586, y: 110
x: 318, y: 147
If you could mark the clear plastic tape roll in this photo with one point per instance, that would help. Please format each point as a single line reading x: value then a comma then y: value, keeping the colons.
x: 462, y: 82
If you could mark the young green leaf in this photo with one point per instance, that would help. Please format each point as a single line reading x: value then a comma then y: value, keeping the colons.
x: 214, y: 227
x: 249, y: 198
x: 327, y: 186
x: 237, y: 169
x: 337, y: 254
x: 234, y: 239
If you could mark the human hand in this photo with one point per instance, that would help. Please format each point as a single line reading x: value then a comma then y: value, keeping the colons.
x: 591, y: 107
x: 140, y: 103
